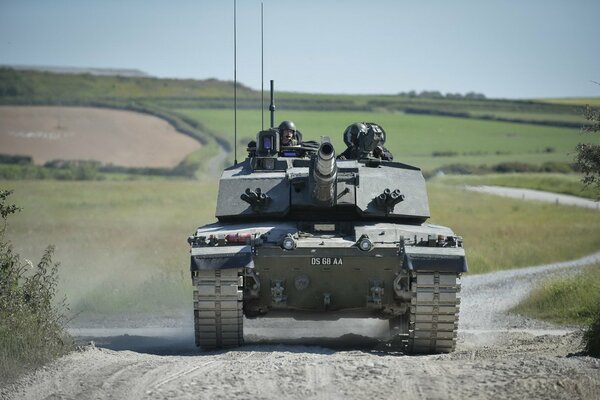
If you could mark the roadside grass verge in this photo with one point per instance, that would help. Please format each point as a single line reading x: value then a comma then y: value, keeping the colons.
x: 32, y: 322
x: 557, y: 183
x: 569, y: 300
x: 573, y: 300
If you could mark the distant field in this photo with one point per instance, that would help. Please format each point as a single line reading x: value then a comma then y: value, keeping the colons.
x: 459, y: 129
x: 414, y: 138
x: 122, y: 245
x: 581, y: 101
x: 78, y: 133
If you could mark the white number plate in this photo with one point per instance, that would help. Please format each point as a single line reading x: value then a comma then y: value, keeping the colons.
x: 326, y: 261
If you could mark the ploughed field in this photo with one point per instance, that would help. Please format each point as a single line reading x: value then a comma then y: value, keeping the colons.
x: 115, y: 137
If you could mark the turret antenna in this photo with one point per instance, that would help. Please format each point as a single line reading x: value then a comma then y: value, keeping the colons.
x: 234, y: 83
x: 272, y: 106
x: 262, y: 70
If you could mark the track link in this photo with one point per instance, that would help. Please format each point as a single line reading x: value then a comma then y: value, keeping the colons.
x: 433, y: 320
x: 218, y: 314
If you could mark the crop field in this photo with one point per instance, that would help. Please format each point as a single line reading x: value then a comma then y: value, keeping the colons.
x: 77, y: 133
x: 122, y: 245
x: 580, y: 101
x: 414, y: 138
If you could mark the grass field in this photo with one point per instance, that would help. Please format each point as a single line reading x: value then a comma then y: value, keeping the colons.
x: 414, y: 138
x: 122, y: 245
x: 505, y: 233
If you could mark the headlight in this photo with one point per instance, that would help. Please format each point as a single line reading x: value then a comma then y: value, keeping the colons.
x: 365, y: 244
x: 289, y: 243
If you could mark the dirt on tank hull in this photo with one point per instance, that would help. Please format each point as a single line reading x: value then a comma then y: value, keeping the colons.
x: 311, y: 237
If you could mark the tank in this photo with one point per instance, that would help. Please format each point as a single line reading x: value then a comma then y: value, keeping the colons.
x: 306, y: 234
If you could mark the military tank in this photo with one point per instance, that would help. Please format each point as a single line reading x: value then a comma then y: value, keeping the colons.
x: 306, y: 234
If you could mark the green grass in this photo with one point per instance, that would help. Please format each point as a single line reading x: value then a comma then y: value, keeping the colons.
x: 503, y: 233
x: 122, y: 245
x: 557, y: 183
x: 570, y: 300
x: 414, y: 138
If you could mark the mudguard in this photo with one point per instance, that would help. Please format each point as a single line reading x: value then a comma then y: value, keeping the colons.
x: 211, y: 258
x: 442, y: 259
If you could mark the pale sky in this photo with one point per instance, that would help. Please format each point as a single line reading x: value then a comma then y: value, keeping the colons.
x: 502, y: 48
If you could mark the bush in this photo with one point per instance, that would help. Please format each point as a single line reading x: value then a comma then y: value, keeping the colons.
x: 15, y: 159
x: 508, y: 167
x: 591, y: 337
x: 32, y: 326
x: 557, y: 166
x: 444, y: 154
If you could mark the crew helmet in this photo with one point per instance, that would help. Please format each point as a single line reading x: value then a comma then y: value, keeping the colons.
x: 287, y: 125
x: 352, y: 132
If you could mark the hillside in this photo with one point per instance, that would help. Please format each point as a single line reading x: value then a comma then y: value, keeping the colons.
x: 430, y: 130
x: 18, y: 86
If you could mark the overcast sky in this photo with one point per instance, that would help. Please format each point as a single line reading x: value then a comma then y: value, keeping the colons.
x: 502, y: 48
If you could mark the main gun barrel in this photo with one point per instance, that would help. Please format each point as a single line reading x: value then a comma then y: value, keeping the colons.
x: 325, y: 175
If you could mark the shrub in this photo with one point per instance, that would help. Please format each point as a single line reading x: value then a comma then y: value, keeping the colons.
x: 15, y: 159
x: 557, y: 166
x: 444, y: 154
x: 591, y: 337
x: 32, y: 326
x: 514, y: 167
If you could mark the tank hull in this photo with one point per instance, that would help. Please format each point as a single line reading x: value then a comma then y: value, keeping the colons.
x: 403, y: 276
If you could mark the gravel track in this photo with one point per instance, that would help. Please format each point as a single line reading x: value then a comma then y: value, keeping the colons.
x: 535, y: 195
x: 498, y: 356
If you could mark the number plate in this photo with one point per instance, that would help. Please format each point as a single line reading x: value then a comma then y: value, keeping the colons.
x: 326, y: 261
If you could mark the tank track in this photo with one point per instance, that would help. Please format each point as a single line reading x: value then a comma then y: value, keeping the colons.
x: 218, y: 314
x: 433, y: 319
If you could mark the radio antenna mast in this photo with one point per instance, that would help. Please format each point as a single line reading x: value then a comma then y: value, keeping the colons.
x: 262, y: 70
x: 234, y: 83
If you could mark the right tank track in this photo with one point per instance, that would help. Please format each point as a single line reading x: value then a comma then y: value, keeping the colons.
x: 218, y: 313
x: 433, y: 318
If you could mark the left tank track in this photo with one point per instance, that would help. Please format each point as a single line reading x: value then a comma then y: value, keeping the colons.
x: 218, y: 308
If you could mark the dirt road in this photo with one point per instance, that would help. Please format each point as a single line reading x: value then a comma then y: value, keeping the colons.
x: 498, y: 356
x: 536, y: 195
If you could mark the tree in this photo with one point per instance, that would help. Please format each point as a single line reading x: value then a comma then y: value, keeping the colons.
x: 587, y: 158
